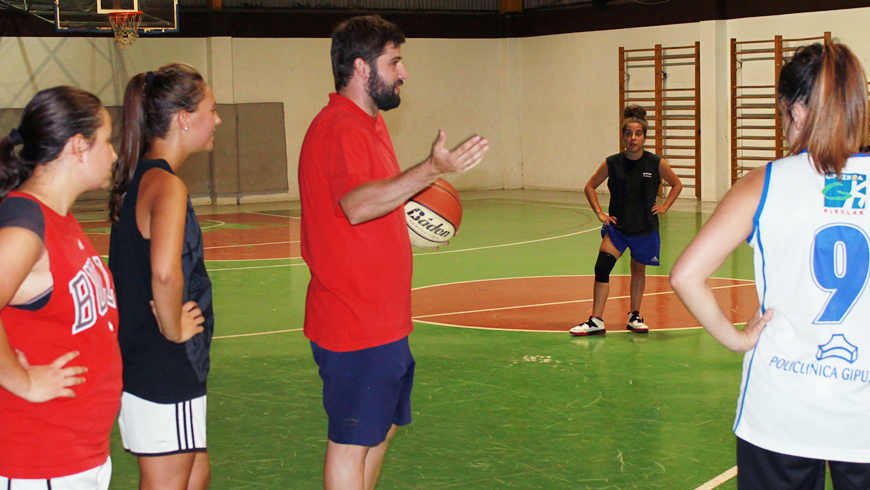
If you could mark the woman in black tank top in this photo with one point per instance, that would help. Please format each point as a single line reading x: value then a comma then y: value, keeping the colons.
x: 164, y: 293
x: 633, y: 178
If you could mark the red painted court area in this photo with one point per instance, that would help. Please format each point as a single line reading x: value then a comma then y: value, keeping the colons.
x: 552, y: 303
x: 558, y: 303
x: 232, y: 236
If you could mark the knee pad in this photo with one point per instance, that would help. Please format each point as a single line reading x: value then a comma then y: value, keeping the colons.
x: 603, y: 266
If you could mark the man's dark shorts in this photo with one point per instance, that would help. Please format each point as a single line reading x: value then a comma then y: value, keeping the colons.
x: 366, y: 391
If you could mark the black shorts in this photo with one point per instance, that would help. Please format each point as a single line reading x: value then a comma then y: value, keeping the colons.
x: 365, y: 392
x: 761, y: 469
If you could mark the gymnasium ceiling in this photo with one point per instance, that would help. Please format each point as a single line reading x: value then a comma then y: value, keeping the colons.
x: 437, y: 18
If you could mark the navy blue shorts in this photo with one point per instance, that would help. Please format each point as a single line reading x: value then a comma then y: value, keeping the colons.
x: 366, y: 391
x: 760, y: 469
x: 645, y: 249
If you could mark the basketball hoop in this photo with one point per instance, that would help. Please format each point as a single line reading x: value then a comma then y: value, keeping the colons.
x: 126, y: 26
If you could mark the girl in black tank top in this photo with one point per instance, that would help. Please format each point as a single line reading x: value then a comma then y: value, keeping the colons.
x: 156, y: 254
x: 633, y: 178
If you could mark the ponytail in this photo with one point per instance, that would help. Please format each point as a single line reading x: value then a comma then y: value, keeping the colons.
x: 830, y: 82
x: 133, y: 144
x: 49, y: 120
x: 150, y: 101
x: 11, y: 167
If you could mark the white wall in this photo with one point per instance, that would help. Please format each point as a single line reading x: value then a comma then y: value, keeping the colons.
x: 570, y: 105
x: 549, y: 105
x: 31, y: 64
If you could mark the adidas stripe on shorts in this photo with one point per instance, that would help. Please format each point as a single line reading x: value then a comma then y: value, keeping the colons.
x: 93, y: 479
x: 159, y: 429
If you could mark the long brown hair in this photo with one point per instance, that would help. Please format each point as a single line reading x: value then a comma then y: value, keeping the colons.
x: 150, y: 101
x: 830, y: 82
x: 49, y: 120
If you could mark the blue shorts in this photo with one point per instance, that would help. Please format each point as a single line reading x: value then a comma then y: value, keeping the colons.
x: 645, y: 249
x: 366, y: 391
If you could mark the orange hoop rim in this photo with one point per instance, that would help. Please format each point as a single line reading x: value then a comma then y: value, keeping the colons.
x: 125, y: 14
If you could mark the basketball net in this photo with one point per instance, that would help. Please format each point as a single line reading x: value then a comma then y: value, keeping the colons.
x: 126, y: 26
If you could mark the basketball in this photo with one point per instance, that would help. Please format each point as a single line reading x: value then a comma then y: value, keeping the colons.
x: 433, y: 215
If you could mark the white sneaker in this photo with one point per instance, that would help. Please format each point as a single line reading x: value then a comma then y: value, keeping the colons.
x: 592, y: 326
x: 636, y: 324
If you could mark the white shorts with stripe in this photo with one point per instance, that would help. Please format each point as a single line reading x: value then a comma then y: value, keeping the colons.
x: 93, y: 479
x: 159, y: 429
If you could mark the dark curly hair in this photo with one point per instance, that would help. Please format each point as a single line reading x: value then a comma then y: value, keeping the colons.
x: 634, y: 114
x: 360, y: 37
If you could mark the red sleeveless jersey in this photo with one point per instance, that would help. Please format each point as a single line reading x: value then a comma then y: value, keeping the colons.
x: 64, y: 436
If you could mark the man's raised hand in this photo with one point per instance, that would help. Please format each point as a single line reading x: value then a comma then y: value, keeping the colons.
x: 463, y: 158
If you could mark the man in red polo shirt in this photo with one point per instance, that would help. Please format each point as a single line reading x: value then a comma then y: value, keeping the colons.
x: 355, y: 242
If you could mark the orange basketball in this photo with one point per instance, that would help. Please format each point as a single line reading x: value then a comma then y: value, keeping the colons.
x: 433, y: 215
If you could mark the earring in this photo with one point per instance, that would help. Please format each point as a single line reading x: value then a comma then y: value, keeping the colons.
x: 185, y: 128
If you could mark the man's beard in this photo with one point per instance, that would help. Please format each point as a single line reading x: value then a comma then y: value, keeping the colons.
x: 385, y: 97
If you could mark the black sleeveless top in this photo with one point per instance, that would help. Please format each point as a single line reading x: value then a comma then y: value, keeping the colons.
x: 155, y: 368
x: 634, y: 186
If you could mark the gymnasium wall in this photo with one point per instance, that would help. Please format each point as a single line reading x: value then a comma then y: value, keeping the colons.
x: 570, y: 91
x: 547, y: 104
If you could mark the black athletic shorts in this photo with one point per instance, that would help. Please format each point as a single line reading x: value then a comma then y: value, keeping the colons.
x: 760, y: 469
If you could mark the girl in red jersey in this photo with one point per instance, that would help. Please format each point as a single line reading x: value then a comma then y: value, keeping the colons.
x: 164, y: 292
x: 59, y: 313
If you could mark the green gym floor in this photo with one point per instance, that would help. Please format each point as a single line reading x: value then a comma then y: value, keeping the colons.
x: 504, y: 397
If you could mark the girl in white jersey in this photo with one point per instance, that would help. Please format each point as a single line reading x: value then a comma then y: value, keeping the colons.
x: 806, y: 371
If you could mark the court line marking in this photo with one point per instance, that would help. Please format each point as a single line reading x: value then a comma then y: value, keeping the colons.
x: 415, y: 255
x: 746, y: 281
x: 109, y: 225
x: 433, y: 253
x: 502, y: 308
x: 263, y: 213
x: 508, y: 244
x: 253, y: 245
x: 720, y: 479
x: 527, y: 330
x: 273, y: 259
x: 256, y: 334
x: 254, y: 266
x: 566, y: 205
x: 421, y: 254
x: 421, y: 320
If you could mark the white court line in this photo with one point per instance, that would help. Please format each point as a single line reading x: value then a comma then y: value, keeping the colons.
x: 550, y: 277
x: 501, y: 308
x: 273, y: 259
x: 507, y: 244
x: 415, y: 255
x: 252, y: 245
x: 218, y: 225
x: 715, y: 482
x: 262, y: 213
x: 422, y: 254
x: 564, y: 206
x: 529, y: 330
x: 210, y: 271
x: 256, y: 334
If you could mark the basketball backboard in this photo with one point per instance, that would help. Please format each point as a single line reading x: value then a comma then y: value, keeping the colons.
x: 91, y: 15
x: 41, y: 9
